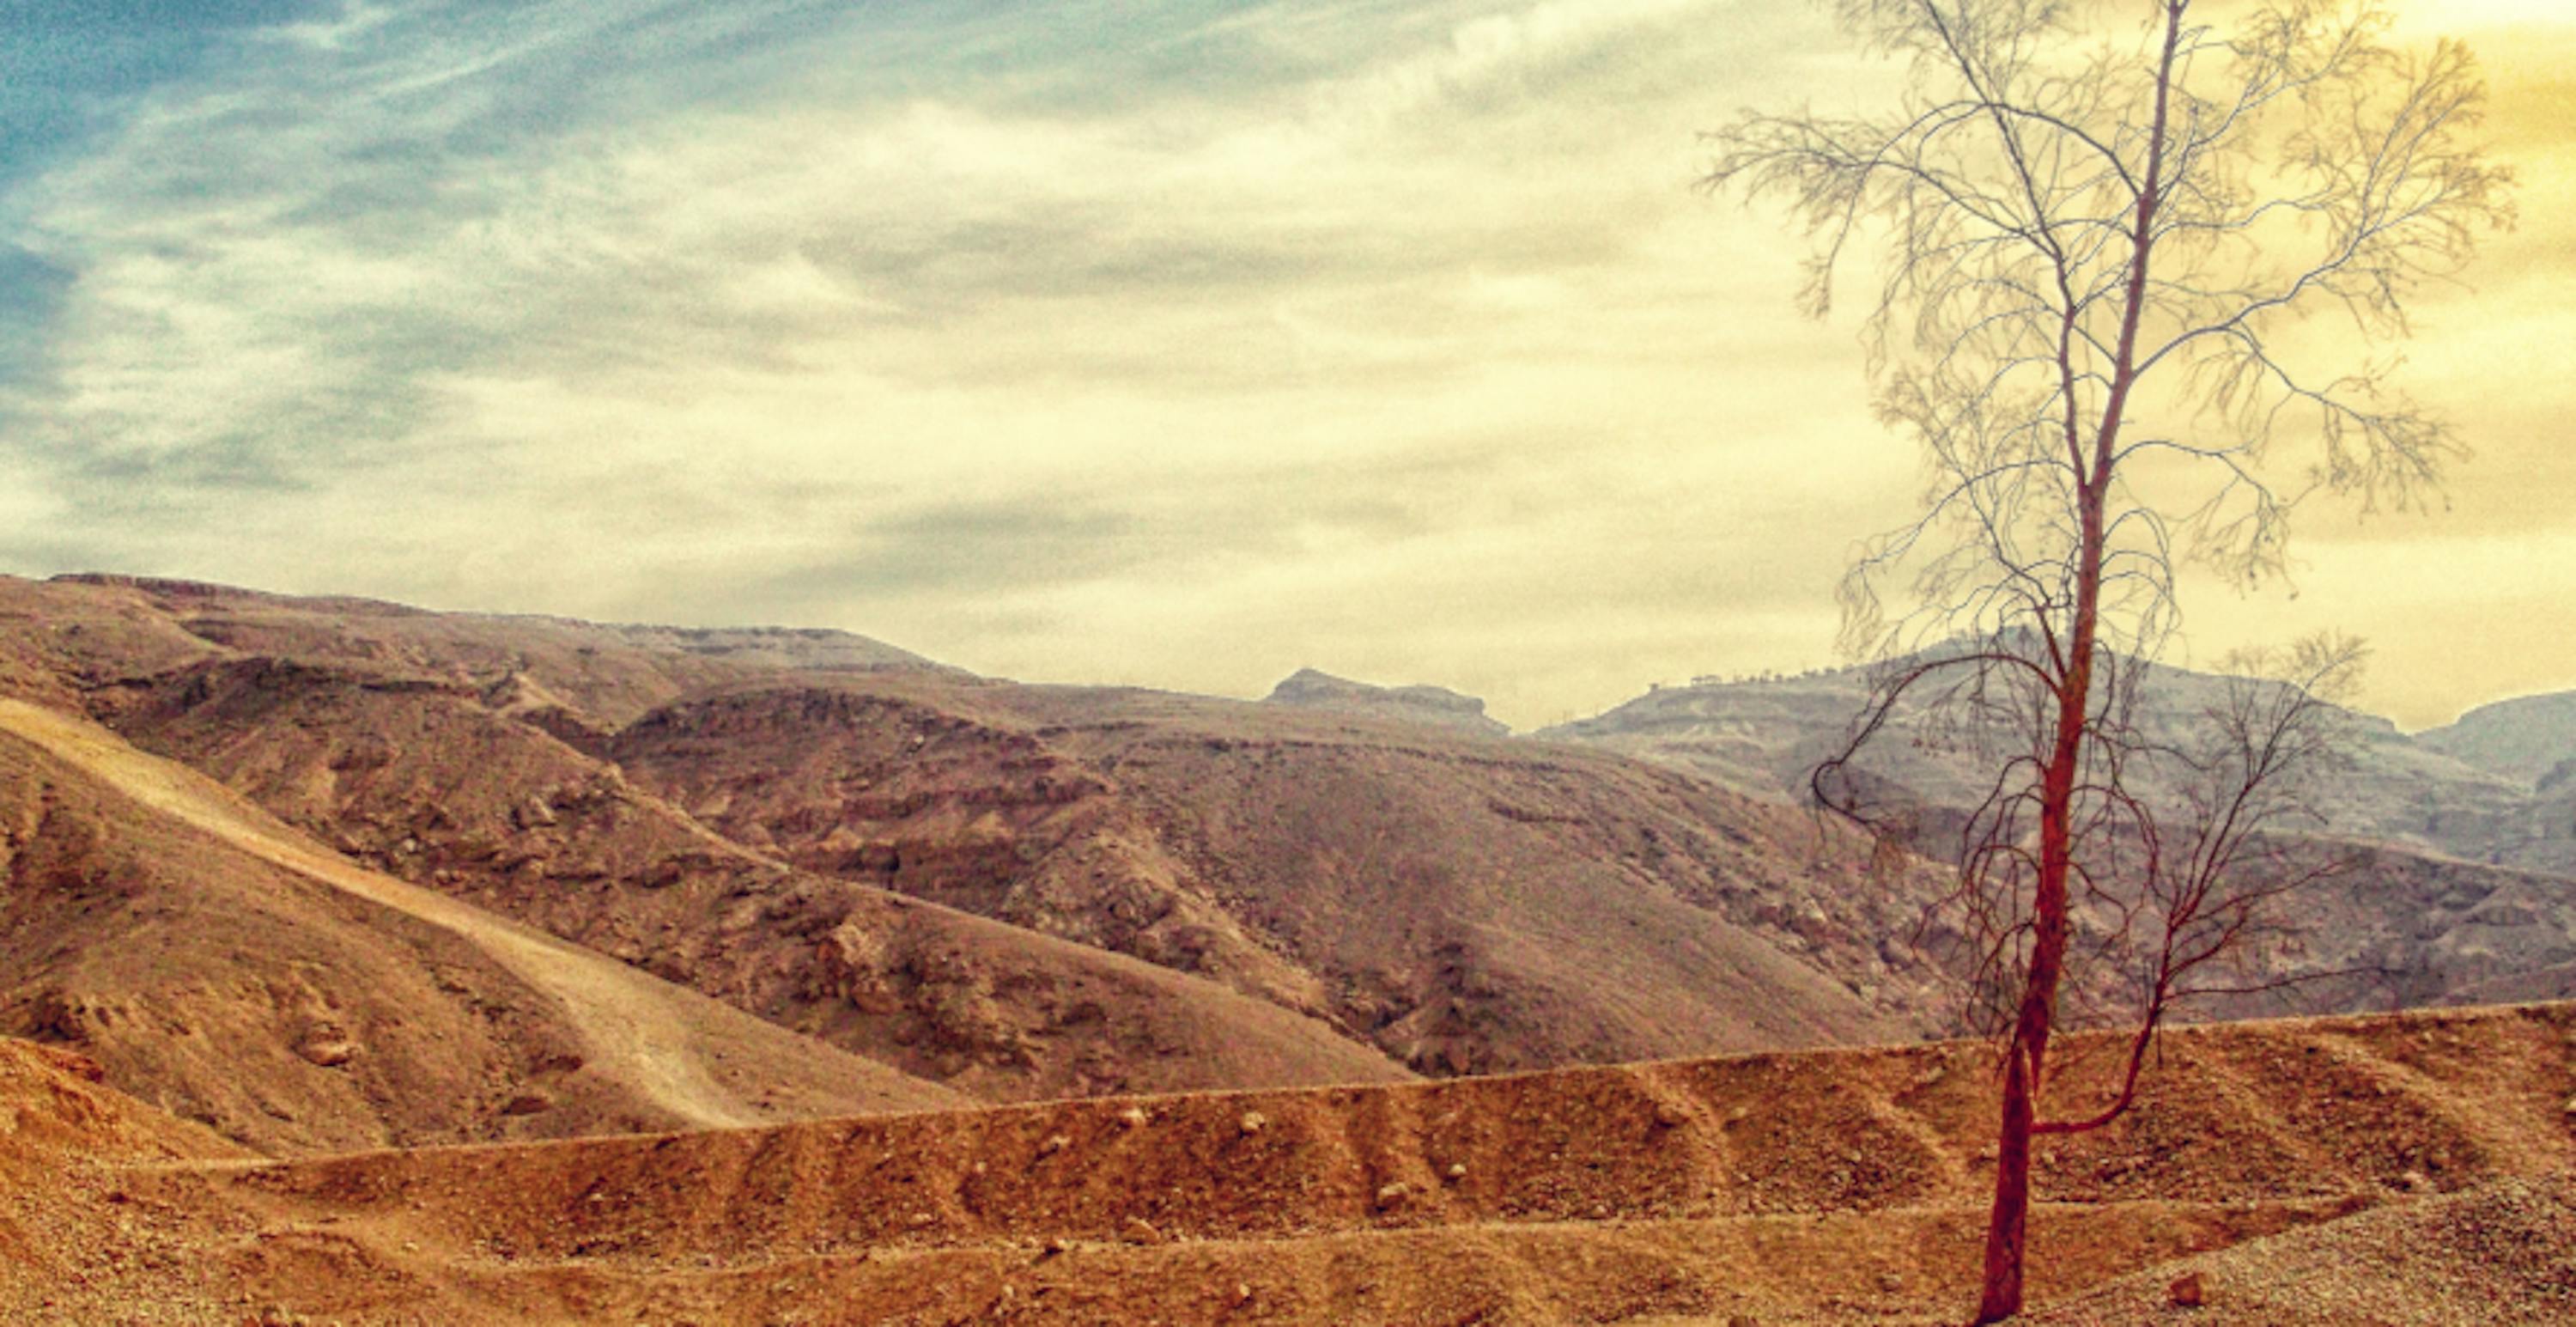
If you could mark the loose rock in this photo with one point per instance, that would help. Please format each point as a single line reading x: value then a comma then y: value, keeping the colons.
x: 327, y: 1046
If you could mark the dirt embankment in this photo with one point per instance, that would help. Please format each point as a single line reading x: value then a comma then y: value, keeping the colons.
x: 1832, y: 1186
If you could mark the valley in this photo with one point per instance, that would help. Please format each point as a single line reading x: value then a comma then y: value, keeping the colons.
x: 373, y: 964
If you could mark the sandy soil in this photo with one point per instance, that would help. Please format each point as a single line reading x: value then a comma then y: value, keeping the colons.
x: 2312, y: 1168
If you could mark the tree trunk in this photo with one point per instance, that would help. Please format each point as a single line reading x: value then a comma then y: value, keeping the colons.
x: 2006, y: 1228
x: 2026, y: 1063
x: 2026, y: 1057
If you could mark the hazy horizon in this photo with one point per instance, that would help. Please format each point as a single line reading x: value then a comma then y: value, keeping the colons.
x: 1133, y: 344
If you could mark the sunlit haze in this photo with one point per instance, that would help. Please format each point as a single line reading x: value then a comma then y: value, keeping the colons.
x: 1170, y: 344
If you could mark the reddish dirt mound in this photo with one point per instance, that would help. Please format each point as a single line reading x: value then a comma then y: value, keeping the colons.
x: 1829, y: 1186
x: 2501, y: 1252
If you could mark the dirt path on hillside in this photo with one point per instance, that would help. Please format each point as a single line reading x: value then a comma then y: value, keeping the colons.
x: 634, y: 1026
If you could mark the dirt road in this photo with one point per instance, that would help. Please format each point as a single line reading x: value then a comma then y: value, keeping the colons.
x: 638, y: 1028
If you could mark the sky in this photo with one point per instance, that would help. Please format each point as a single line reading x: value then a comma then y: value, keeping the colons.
x: 1168, y: 344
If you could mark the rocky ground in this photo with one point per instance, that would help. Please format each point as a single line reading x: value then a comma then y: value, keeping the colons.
x: 2406, y: 1169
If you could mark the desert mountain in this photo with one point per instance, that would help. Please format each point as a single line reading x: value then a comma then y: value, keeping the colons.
x: 425, y: 781
x: 1461, y: 903
x: 2414, y: 793
x: 1422, y: 704
x: 2455, y: 887
x: 1019, y: 892
x: 2530, y: 739
x: 293, y: 887
x: 1011, y: 891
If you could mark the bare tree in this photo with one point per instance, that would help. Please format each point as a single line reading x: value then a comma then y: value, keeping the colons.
x: 2107, y: 228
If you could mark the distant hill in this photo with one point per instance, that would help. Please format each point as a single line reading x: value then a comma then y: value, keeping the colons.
x: 2458, y: 889
x: 2531, y: 739
x: 1419, y: 704
x: 2465, y: 791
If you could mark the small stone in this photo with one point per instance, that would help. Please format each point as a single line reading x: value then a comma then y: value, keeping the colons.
x: 1890, y: 1282
x: 1134, y: 1117
x: 2570, y: 1107
x: 527, y: 1103
x: 1253, y: 1122
x: 1457, y: 1171
x: 1392, y: 1195
x: 1055, y: 1142
x: 1138, y: 1230
x: 920, y: 1219
x: 1057, y: 1245
x: 1670, y: 1115
x: 327, y: 1047
x: 1242, y: 1293
x: 2414, y: 1181
x: 2187, y: 1292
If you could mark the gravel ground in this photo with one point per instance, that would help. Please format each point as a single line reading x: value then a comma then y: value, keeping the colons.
x: 2499, y: 1253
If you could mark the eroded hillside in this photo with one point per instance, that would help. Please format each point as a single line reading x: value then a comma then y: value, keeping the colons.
x: 1014, y: 891
x: 236, y: 973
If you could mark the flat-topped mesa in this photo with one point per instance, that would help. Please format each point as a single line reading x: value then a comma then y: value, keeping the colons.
x: 1314, y: 689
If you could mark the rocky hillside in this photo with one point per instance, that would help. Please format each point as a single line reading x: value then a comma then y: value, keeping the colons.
x: 2455, y: 885
x: 429, y: 783
x: 2531, y: 739
x: 1462, y: 904
x: 230, y: 970
x: 2414, y: 793
x: 1009, y: 891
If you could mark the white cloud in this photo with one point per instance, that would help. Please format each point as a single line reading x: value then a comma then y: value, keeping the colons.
x: 1019, y: 364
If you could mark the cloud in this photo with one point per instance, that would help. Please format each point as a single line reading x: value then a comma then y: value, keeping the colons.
x: 1097, y: 340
